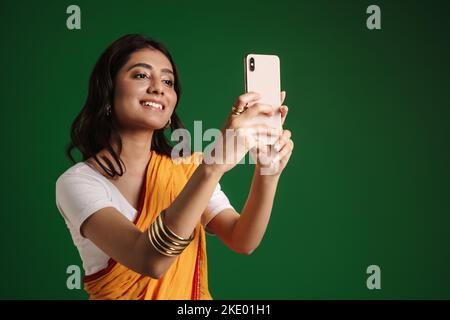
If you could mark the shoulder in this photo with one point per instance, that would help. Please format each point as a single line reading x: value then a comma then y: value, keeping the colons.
x: 80, y: 175
x: 80, y: 192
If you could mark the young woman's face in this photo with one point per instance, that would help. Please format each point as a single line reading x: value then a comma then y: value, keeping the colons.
x: 144, y: 95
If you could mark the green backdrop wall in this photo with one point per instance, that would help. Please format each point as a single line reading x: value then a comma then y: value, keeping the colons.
x: 368, y: 182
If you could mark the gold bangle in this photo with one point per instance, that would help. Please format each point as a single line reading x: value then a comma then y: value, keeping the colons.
x: 167, y: 245
x: 157, y: 247
x: 175, y: 242
x: 170, y: 251
x: 164, y: 240
x: 173, y: 234
x: 161, y: 251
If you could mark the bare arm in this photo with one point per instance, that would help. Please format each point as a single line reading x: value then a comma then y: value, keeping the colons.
x: 120, y: 239
x: 243, y: 233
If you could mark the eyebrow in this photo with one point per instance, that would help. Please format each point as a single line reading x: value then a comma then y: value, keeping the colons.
x: 147, y: 66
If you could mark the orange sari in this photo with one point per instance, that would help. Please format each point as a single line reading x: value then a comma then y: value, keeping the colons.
x: 187, y: 277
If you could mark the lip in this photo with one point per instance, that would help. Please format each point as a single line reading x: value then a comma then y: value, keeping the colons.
x: 154, y: 101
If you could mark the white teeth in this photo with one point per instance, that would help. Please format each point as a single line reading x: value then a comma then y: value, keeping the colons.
x: 152, y: 104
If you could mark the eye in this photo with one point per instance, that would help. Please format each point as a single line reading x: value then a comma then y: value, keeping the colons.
x: 168, y: 82
x: 141, y: 76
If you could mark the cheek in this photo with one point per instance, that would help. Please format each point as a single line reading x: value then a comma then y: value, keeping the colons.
x: 172, y: 97
x: 125, y: 95
x: 127, y: 89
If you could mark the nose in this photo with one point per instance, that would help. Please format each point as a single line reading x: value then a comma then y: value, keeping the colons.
x: 155, y: 87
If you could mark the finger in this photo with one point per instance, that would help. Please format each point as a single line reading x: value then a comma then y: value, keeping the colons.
x: 258, y: 109
x: 264, y: 153
x: 288, y: 147
x: 250, y: 136
x: 285, y: 159
x: 246, y: 99
x: 282, y: 96
x: 284, y: 138
x: 263, y: 147
x: 259, y: 130
x: 284, y: 111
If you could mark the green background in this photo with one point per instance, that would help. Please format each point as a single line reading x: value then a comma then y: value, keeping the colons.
x: 369, y: 180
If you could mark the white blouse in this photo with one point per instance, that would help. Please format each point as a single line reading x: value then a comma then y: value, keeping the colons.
x: 81, y: 191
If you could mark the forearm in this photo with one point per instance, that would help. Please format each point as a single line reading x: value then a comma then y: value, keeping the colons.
x: 252, y: 223
x: 184, y: 213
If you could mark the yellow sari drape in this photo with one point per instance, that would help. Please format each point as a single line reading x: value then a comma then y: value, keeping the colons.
x: 187, y: 278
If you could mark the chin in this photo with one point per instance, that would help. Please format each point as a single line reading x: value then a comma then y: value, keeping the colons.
x: 154, y: 125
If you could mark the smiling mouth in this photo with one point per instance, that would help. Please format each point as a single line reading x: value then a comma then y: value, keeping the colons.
x: 152, y: 105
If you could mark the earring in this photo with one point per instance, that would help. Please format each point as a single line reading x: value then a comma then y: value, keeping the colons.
x: 108, y: 110
x: 168, y: 124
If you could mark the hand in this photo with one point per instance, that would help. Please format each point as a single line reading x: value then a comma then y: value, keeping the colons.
x: 271, y: 160
x: 239, y: 135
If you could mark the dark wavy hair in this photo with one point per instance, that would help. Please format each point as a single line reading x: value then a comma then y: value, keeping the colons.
x: 93, y: 130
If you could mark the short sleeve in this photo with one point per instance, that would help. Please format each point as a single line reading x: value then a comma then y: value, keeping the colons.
x: 216, y: 204
x: 78, y: 196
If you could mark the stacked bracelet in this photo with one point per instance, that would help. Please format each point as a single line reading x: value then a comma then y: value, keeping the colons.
x: 164, y: 240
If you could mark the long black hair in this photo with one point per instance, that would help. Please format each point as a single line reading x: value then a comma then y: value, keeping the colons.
x: 93, y: 129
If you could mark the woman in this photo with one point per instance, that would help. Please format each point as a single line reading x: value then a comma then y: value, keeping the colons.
x: 137, y: 217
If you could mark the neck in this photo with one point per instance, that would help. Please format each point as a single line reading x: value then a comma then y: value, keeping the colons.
x: 135, y: 149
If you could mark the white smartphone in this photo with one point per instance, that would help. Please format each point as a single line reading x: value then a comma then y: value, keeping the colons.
x: 262, y: 75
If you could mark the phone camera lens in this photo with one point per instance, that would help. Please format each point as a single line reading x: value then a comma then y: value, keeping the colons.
x: 252, y: 64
